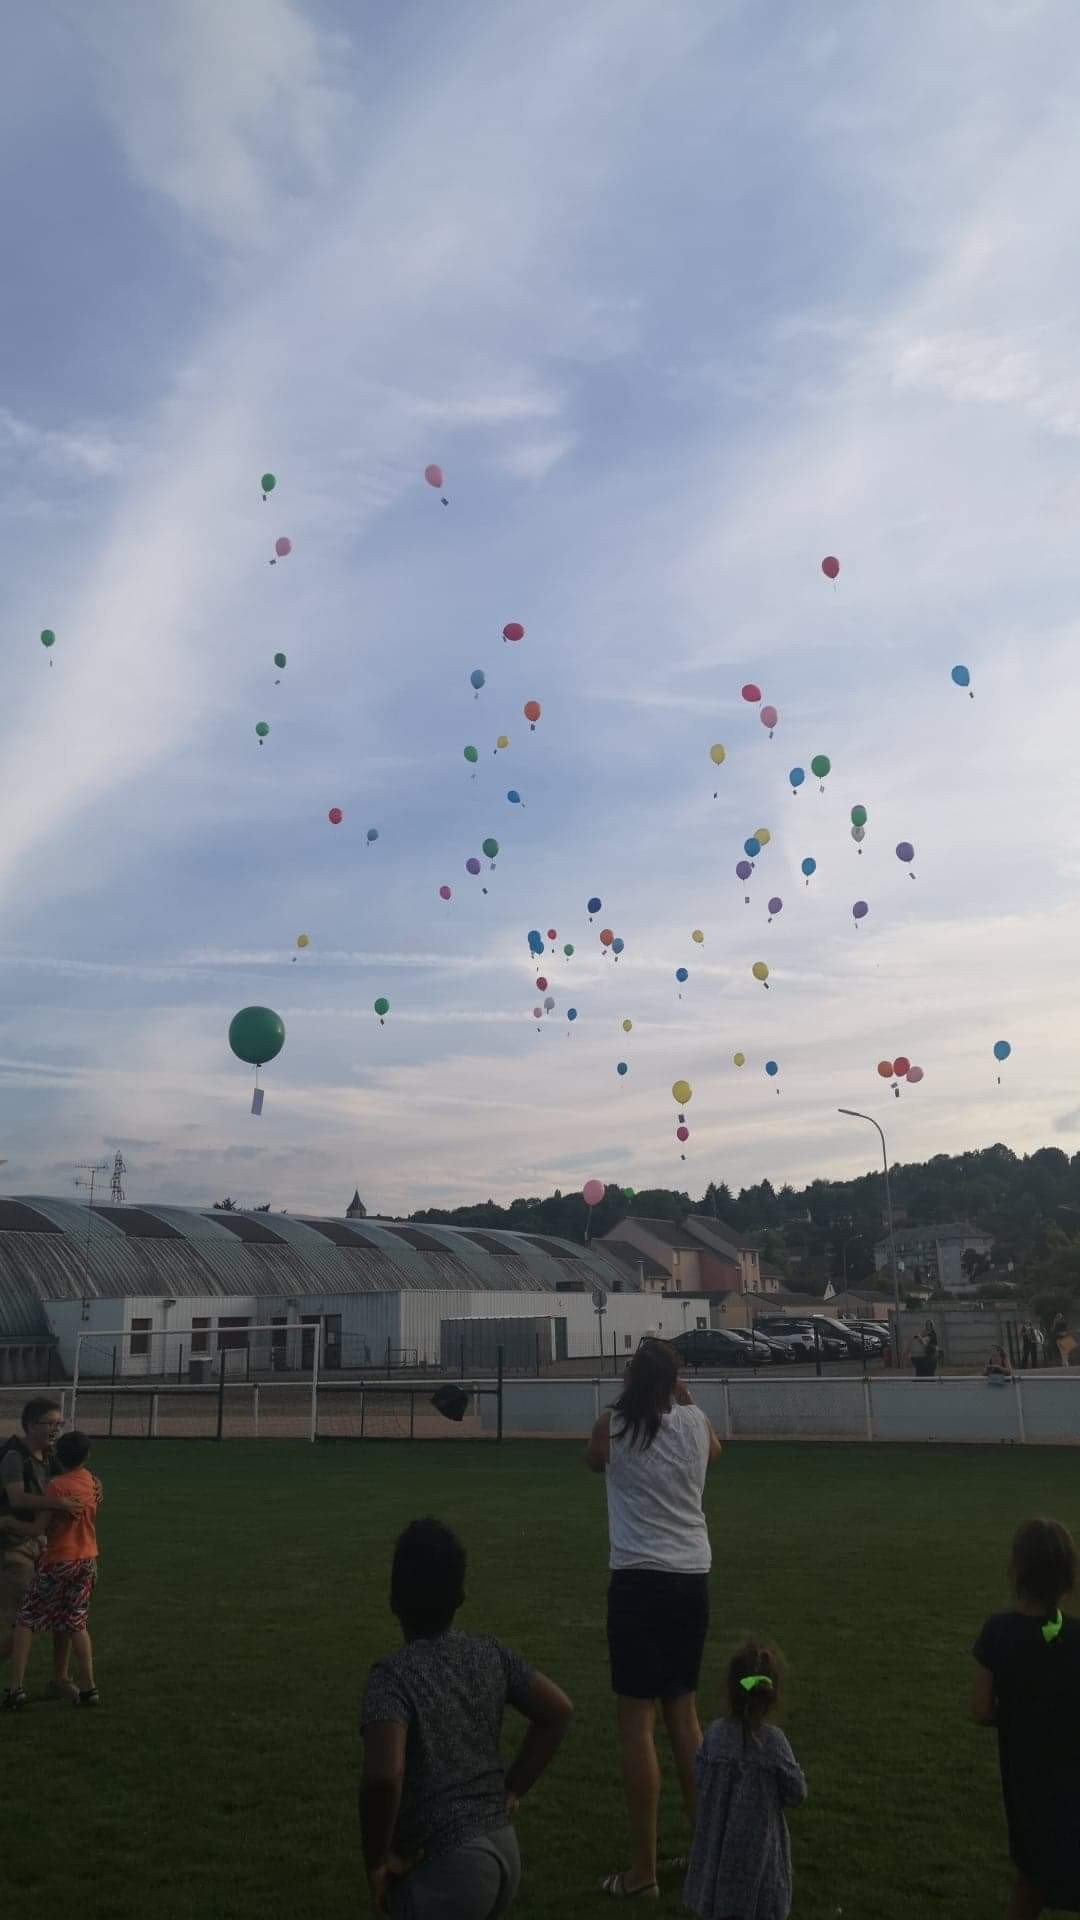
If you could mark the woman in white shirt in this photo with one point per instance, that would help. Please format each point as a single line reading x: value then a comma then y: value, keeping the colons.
x: 654, y: 1445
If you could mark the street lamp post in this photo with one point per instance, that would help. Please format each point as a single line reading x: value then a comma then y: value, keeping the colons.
x: 853, y: 1115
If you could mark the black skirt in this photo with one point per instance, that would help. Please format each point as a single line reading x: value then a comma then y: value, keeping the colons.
x: 656, y: 1624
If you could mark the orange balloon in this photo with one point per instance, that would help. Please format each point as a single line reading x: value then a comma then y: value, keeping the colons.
x: 884, y: 1067
x: 531, y: 710
x: 606, y: 937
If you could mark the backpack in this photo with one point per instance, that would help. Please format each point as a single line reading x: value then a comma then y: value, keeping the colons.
x: 31, y: 1484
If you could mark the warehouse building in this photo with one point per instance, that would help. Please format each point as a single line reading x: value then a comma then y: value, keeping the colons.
x: 161, y: 1291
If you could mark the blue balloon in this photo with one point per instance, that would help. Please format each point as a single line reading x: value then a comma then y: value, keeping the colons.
x: 681, y: 974
x: 617, y: 945
x: 752, y: 847
x: 961, y: 676
x: 536, y: 942
x: 571, y: 1013
x: 809, y: 866
x: 622, y: 1067
x: 595, y: 904
x: 514, y: 797
x: 373, y: 833
x: 797, y: 776
x: 1002, y: 1049
x: 476, y: 678
x: 771, y: 1068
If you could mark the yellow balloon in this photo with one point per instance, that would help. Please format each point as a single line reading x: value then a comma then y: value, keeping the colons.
x: 503, y: 740
x: 682, y: 1093
x: 762, y: 834
x: 759, y: 970
x: 626, y: 1025
x: 302, y: 940
x: 717, y: 755
x: 739, y: 1059
x: 698, y: 937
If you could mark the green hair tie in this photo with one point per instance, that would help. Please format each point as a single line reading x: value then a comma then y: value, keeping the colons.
x: 752, y: 1680
x: 1052, y: 1628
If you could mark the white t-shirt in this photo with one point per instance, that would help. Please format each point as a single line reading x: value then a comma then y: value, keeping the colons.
x: 654, y: 1496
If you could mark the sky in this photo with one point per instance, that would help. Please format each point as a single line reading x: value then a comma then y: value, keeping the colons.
x: 682, y: 299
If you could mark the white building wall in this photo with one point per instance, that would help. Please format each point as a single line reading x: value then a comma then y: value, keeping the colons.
x: 628, y: 1316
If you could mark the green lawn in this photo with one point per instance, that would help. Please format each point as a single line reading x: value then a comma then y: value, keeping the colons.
x: 243, y: 1595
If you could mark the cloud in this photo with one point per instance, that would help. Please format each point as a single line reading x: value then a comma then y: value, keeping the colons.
x: 86, y: 453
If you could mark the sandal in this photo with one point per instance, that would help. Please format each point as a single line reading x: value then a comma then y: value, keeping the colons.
x: 15, y: 1700
x: 615, y: 1884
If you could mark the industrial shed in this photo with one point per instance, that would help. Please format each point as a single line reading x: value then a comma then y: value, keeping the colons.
x: 172, y: 1286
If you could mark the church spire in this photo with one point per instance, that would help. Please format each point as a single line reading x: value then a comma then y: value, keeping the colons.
x: 356, y: 1209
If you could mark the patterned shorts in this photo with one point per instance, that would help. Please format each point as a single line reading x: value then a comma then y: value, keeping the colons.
x: 58, y: 1598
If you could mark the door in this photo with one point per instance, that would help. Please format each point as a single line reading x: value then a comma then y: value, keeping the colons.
x: 138, y: 1347
x: 308, y: 1324
x: 331, y: 1341
x: 561, y: 1351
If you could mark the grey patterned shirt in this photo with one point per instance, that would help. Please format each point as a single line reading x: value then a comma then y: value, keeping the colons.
x: 448, y: 1693
x: 740, y: 1862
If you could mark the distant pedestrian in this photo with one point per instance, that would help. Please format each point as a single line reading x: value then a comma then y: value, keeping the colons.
x: 1029, y: 1352
x: 1028, y: 1686
x: 740, y: 1862
x: 930, y: 1334
x: 1062, y: 1338
x: 997, y: 1366
x: 58, y: 1598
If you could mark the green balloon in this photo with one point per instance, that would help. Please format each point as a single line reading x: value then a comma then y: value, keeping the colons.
x: 858, y: 814
x: 471, y: 755
x: 269, y: 482
x: 48, y: 638
x: 820, y: 764
x: 490, y: 847
x: 256, y: 1034
x: 382, y: 1006
x: 279, y: 659
x: 568, y: 951
x: 629, y: 1193
x: 262, y: 729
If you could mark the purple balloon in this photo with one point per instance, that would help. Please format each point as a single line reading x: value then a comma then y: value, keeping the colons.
x: 905, y: 851
x: 744, y: 869
x: 472, y: 866
x: 860, y: 909
x: 775, y: 903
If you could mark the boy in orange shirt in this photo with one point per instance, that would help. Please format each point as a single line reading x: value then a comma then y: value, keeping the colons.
x: 58, y: 1597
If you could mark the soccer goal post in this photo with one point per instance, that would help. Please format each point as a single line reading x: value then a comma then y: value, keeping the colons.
x: 137, y: 1366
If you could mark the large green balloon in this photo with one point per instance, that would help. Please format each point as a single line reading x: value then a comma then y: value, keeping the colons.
x: 382, y: 1006
x: 820, y: 765
x: 471, y: 755
x: 48, y: 638
x: 269, y: 482
x: 279, y: 659
x: 858, y: 815
x: 490, y: 847
x: 256, y: 1034
x: 262, y: 728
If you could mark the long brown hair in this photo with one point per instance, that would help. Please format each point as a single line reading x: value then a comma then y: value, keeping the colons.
x: 1043, y: 1563
x: 749, y: 1706
x: 648, y: 1391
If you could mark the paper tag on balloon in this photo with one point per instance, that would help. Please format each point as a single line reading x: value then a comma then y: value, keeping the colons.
x: 257, y: 1100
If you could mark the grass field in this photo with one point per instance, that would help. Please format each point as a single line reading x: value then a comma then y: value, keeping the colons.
x: 243, y: 1595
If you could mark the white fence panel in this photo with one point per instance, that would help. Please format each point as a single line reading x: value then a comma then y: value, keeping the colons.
x: 943, y: 1409
x: 794, y: 1409
x: 1051, y: 1406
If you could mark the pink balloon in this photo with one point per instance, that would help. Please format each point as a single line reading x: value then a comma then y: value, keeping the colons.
x: 434, y: 476
x: 444, y: 893
x: 282, y: 547
x: 769, y: 717
x: 592, y: 1192
x: 682, y: 1133
x: 830, y: 566
x: 751, y: 693
x: 538, y: 1013
x: 541, y: 984
x: 914, y: 1075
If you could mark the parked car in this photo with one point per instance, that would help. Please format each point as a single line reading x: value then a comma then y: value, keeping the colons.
x: 759, y: 1343
x: 801, y: 1334
x: 853, y: 1339
x: 712, y: 1347
x: 876, y: 1330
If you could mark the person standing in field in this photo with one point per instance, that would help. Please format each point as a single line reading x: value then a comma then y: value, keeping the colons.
x: 436, y: 1802
x: 27, y: 1462
x: 1028, y: 1687
x: 58, y: 1597
x: 654, y: 1447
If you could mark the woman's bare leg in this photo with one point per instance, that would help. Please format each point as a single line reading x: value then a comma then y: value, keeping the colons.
x: 641, y: 1782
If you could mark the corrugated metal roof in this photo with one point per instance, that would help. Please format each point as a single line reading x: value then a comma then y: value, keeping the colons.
x: 172, y: 1252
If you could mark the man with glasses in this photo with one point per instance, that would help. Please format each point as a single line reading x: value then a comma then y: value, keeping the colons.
x: 27, y: 1461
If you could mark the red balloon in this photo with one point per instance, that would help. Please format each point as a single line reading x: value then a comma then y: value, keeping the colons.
x: 682, y: 1133
x: 513, y: 629
x: 751, y: 693
x: 541, y: 985
x: 335, y: 816
x: 885, y: 1069
x: 901, y: 1066
x: 553, y: 933
x: 531, y: 710
x: 434, y: 476
x: 606, y: 937
x: 830, y: 566
x: 444, y: 892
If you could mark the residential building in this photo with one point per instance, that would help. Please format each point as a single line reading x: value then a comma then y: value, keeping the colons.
x: 689, y: 1262
x: 930, y: 1257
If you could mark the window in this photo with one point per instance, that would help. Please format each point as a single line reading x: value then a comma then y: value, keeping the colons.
x: 278, y: 1333
x: 140, y: 1337
x: 200, y: 1334
x: 628, y: 1341
x: 232, y: 1330
x: 700, y: 1322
